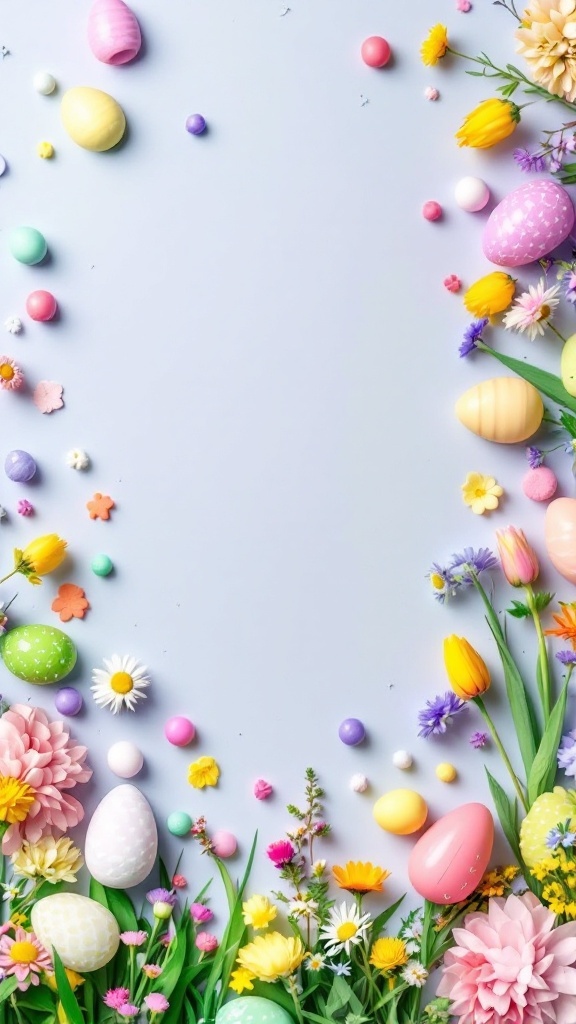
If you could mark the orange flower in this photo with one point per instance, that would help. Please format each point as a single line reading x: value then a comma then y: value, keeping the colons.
x: 566, y: 624
x: 70, y: 603
x: 99, y: 506
x: 359, y: 877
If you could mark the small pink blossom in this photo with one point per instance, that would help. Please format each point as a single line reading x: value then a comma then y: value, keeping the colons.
x: 464, y: 6
x: 431, y: 93
x: 262, y: 789
x: 281, y: 852
x: 133, y: 938
x: 25, y: 507
x: 452, y: 283
x: 48, y: 396
x: 116, y: 997
x: 11, y: 376
x: 179, y: 882
x: 152, y: 970
x: 200, y: 913
x: 128, y: 1010
x: 156, y: 1002
x: 205, y: 942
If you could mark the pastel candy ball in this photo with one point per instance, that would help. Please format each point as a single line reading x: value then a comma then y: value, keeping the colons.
x: 403, y: 760
x: 125, y: 759
x: 68, y: 701
x: 375, y: 51
x: 101, y: 565
x: 431, y: 210
x: 351, y: 732
x: 27, y: 245
x: 83, y: 932
x: 44, y: 83
x: 446, y: 772
x: 401, y: 811
x: 540, y: 483
x: 224, y: 844
x: 179, y: 823
x: 471, y: 194
x: 19, y: 466
x: 41, y: 305
x: 530, y: 222
x: 252, y: 1010
x: 195, y: 124
x: 180, y: 731
x: 38, y: 654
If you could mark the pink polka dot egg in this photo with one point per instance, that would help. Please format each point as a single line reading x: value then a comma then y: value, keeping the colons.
x: 530, y: 222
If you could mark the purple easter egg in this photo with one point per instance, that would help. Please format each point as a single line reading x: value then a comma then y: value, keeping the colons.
x: 19, y: 466
x: 351, y: 732
x: 530, y: 222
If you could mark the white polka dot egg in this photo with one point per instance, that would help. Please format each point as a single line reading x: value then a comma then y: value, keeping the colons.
x: 83, y: 933
x: 530, y: 222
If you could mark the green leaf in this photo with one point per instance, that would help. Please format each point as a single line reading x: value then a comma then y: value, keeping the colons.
x: 543, y: 381
x: 120, y: 905
x: 338, y: 997
x: 522, y: 714
x: 165, y: 879
x: 7, y: 987
x: 542, y: 600
x: 275, y: 992
x: 519, y: 610
x: 382, y: 919
x: 506, y: 811
x: 65, y: 993
x: 174, y: 963
x: 543, y: 771
x: 37, y: 997
x: 568, y: 422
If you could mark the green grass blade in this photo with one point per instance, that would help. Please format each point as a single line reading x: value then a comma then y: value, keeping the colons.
x: 543, y: 771
x: 506, y: 811
x: 65, y: 993
x: 547, y: 383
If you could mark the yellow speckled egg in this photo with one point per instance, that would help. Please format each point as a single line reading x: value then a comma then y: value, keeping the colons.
x: 401, y: 811
x: 83, y: 932
x: 92, y: 118
x: 504, y: 409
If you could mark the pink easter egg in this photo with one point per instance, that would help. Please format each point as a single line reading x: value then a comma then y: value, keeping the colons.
x: 449, y: 860
x: 113, y: 32
x: 530, y: 222
x: 560, y: 536
x: 224, y: 844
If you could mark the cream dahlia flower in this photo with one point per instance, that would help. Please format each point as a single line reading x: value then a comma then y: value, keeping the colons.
x: 547, y: 41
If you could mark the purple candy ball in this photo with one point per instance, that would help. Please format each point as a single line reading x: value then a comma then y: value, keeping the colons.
x: 195, y: 124
x: 68, y: 701
x: 351, y: 732
x: 19, y: 466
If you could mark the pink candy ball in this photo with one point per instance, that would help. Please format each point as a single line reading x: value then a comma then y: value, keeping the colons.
x: 179, y: 731
x: 224, y: 844
x: 539, y: 484
x: 431, y: 210
x: 41, y: 305
x: 375, y: 52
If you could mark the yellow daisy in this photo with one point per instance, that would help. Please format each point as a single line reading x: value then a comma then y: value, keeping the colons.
x: 435, y: 45
x: 356, y: 876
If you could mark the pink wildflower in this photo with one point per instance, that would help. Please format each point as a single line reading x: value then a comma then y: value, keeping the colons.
x: 24, y: 957
x: 128, y: 1010
x: 156, y: 1002
x: 452, y: 283
x: 133, y: 938
x: 205, y: 942
x: 281, y: 852
x: 533, y: 309
x: 25, y: 507
x: 116, y: 997
x: 262, y: 789
x: 200, y: 914
x: 179, y: 882
x: 11, y: 376
x: 152, y: 970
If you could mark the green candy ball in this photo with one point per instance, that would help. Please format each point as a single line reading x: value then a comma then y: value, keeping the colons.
x: 101, y: 565
x: 38, y: 654
x: 179, y: 823
x: 252, y: 1010
x: 28, y: 245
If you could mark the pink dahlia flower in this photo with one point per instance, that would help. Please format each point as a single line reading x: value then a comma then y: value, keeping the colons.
x: 40, y: 753
x: 280, y: 852
x: 511, y: 966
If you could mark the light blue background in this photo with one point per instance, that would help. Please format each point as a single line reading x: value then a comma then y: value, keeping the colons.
x: 261, y: 360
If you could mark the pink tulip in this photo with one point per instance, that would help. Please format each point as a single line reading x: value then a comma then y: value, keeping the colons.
x: 519, y: 562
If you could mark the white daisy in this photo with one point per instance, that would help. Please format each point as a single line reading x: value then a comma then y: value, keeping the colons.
x: 121, y: 684
x: 13, y: 324
x: 303, y: 908
x: 315, y: 962
x: 414, y: 974
x: 346, y: 929
x: 533, y: 310
x: 77, y: 458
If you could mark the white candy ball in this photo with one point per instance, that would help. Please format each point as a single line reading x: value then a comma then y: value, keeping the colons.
x: 403, y: 760
x: 359, y: 783
x: 471, y: 194
x: 44, y: 83
x: 125, y: 759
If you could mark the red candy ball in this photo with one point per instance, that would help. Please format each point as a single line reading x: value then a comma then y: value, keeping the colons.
x: 375, y: 52
x: 41, y: 305
x: 431, y: 210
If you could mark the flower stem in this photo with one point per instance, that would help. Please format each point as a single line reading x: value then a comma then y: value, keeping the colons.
x: 557, y: 333
x: 544, y: 681
x: 13, y: 573
x: 483, y: 711
x: 19, y: 1017
x: 512, y: 76
x: 291, y: 982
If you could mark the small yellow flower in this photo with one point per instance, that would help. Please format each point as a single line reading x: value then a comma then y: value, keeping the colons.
x: 203, y: 772
x: 16, y: 799
x: 490, y: 122
x: 258, y: 912
x: 571, y: 910
x: 241, y: 980
x: 492, y: 884
x: 481, y: 493
x: 490, y: 294
x: 469, y: 677
x: 552, y: 891
x: 510, y: 872
x: 272, y: 956
x: 356, y: 876
x: 387, y: 954
x: 74, y: 979
x: 56, y: 860
x: 40, y: 557
x: 542, y: 869
x: 557, y: 906
x: 18, y: 919
x: 435, y: 45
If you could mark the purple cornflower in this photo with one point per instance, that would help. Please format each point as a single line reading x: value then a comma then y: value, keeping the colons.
x: 560, y: 836
x: 161, y: 896
x: 438, y: 713
x: 566, y: 657
x: 468, y: 565
x: 472, y: 335
x: 535, y: 457
x: 567, y: 753
x: 479, y: 740
x: 442, y: 582
x: 529, y: 161
x: 569, y: 281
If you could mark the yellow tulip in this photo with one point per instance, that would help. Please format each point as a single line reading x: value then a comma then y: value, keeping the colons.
x: 40, y: 557
x: 467, y: 672
x: 490, y: 122
x: 490, y: 294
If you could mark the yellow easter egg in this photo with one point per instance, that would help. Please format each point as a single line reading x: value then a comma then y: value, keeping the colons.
x: 504, y: 409
x: 401, y: 811
x: 568, y: 365
x: 92, y: 118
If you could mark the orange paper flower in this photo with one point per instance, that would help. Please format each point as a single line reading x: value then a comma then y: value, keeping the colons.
x: 99, y: 506
x: 71, y: 602
x: 566, y: 622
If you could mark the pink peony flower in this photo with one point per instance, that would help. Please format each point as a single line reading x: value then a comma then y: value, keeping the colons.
x: 24, y: 957
x: 511, y: 966
x: 116, y: 997
x: 205, y: 942
x: 281, y: 852
x: 200, y: 914
x: 156, y: 1002
x: 40, y: 753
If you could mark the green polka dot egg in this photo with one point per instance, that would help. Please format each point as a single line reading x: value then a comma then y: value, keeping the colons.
x: 38, y: 654
x: 252, y: 1010
x: 546, y: 812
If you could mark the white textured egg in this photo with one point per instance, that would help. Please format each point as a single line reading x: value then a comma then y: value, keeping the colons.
x: 125, y: 759
x: 122, y: 839
x: 83, y: 933
x: 471, y: 194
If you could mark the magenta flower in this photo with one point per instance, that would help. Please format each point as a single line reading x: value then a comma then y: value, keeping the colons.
x: 205, y: 942
x: 200, y: 913
x: 280, y: 853
x: 116, y: 997
x: 156, y: 1002
x: 24, y: 957
x: 511, y: 966
x: 262, y: 789
x: 519, y: 562
x: 133, y: 938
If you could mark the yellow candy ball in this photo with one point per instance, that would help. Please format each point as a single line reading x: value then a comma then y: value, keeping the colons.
x: 401, y: 811
x: 446, y: 772
x: 45, y: 150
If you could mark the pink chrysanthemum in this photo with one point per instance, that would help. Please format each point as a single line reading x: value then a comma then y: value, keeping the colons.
x: 128, y: 1010
x: 24, y: 957
x: 532, y: 310
x: 280, y: 852
x: 40, y: 753
x: 512, y: 966
x: 133, y: 938
x: 11, y: 376
x: 156, y: 1002
x: 116, y: 997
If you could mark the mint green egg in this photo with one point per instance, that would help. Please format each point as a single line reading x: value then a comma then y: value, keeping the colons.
x: 252, y: 1010
x: 38, y: 654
